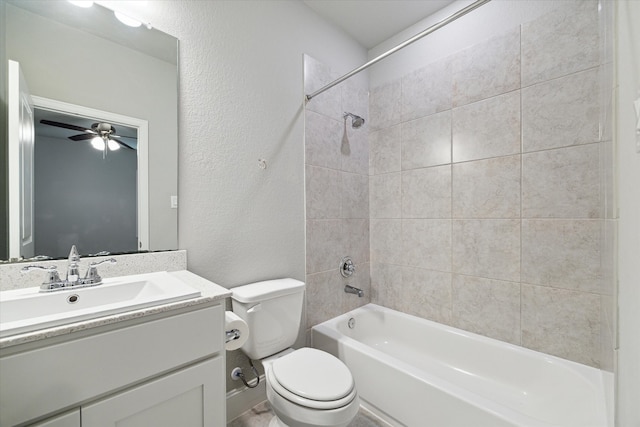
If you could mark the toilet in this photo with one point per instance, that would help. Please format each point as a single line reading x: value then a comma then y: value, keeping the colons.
x: 305, y: 387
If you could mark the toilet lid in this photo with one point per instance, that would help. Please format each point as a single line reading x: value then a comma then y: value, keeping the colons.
x: 313, y: 374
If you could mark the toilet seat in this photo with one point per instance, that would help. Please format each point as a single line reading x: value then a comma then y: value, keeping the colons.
x: 312, y: 378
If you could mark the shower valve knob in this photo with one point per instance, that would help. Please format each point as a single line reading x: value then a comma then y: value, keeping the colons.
x: 347, y: 268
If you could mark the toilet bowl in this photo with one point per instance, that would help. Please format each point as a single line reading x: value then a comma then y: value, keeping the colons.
x: 305, y: 387
x: 310, y: 388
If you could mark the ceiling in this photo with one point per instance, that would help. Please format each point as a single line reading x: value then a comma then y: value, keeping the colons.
x: 370, y: 22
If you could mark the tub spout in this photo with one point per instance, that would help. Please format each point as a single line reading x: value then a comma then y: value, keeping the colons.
x: 351, y: 290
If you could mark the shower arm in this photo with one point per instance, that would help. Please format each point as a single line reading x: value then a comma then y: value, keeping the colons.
x: 402, y: 45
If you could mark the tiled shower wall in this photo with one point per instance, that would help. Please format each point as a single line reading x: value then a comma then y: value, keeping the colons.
x: 490, y: 188
x: 489, y: 196
x: 337, y: 193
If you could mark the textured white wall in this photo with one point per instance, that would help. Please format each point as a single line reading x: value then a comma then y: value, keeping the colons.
x: 241, y: 93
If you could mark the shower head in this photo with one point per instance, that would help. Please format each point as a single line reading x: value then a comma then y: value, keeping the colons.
x: 356, y: 121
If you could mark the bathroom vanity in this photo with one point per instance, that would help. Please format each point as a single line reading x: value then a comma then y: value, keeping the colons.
x: 156, y: 366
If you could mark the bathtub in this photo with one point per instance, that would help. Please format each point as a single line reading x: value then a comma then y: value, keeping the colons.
x: 417, y: 373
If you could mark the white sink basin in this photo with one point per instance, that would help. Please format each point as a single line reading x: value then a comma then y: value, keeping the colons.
x: 25, y: 310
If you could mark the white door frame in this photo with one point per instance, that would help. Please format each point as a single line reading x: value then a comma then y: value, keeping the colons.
x: 142, y: 151
x: 21, y: 136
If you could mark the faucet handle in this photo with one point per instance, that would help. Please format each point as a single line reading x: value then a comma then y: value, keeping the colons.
x: 92, y: 273
x: 52, y: 274
x: 97, y: 263
x: 28, y: 268
x: 347, y: 268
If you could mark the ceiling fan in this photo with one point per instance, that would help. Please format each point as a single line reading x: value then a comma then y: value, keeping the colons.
x: 103, y: 130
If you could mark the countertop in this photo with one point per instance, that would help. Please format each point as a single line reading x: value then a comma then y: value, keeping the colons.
x: 210, y: 292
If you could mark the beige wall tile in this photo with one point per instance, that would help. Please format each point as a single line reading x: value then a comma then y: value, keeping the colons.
x: 562, y: 253
x: 561, y: 322
x: 487, y: 248
x: 386, y: 241
x: 355, y: 234
x: 608, y: 248
x: 426, y: 193
x: 385, y: 195
x: 426, y: 141
x: 384, y: 280
x: 354, y: 195
x: 487, y: 128
x: 562, y: 183
x: 487, y: 307
x: 607, y: 179
x: 385, y: 105
x: 427, y: 90
x: 385, y: 150
x: 324, y: 296
x: 560, y: 43
x: 322, y: 192
x: 607, y: 327
x: 426, y: 243
x: 487, y: 188
x: 425, y: 293
x: 324, y: 243
x: 561, y: 112
x: 487, y: 69
x: 323, y: 137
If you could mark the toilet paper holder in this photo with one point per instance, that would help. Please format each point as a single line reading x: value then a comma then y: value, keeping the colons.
x: 236, y: 331
x: 232, y: 335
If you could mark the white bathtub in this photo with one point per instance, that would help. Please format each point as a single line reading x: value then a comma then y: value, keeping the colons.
x: 419, y: 373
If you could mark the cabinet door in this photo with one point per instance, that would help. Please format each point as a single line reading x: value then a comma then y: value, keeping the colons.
x: 68, y: 419
x: 192, y: 397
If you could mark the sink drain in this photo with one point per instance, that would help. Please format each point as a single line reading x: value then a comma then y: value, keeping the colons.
x: 72, y: 299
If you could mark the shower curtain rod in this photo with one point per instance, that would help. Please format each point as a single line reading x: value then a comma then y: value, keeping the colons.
x: 402, y: 45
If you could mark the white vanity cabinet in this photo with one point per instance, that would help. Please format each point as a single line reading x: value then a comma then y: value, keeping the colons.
x: 162, y: 369
x: 184, y: 399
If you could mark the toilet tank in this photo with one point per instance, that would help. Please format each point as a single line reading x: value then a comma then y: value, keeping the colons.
x: 273, y: 311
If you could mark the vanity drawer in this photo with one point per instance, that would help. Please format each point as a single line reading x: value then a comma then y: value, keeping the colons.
x: 37, y: 382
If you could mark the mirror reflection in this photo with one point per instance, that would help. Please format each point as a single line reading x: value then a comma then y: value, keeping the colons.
x: 89, y: 58
x: 93, y: 204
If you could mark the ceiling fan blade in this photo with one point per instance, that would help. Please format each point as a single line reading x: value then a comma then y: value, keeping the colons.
x: 82, y: 137
x: 64, y: 125
x: 123, y: 136
x: 123, y: 144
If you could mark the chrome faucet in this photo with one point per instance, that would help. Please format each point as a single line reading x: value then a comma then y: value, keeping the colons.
x: 73, y: 279
x: 73, y: 268
x: 351, y: 290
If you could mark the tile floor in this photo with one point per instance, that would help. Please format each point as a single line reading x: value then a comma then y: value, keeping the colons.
x: 261, y: 414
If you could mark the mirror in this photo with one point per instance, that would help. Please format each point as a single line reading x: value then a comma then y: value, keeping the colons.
x: 86, y: 57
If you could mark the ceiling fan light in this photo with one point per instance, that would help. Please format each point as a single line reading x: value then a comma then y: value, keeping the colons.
x: 81, y: 3
x: 97, y: 143
x: 127, y: 20
x: 113, y: 146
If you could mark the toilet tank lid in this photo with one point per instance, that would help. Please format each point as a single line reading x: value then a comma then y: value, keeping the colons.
x: 261, y: 291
